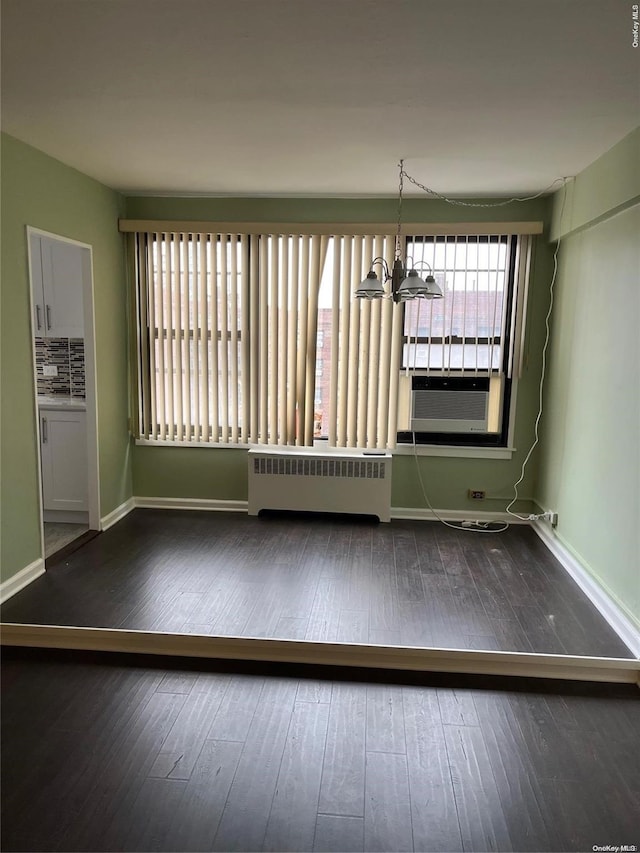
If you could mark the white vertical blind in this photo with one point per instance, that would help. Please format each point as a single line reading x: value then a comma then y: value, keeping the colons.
x: 364, y: 358
x: 228, y: 326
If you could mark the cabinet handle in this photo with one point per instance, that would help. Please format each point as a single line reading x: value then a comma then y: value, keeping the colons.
x: 48, y: 317
x: 38, y: 320
x: 45, y: 431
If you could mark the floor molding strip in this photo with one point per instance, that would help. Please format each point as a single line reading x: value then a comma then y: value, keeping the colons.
x: 607, y: 607
x: 613, y: 670
x: 21, y: 579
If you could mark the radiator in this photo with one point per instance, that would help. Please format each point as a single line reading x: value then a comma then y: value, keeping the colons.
x: 305, y: 479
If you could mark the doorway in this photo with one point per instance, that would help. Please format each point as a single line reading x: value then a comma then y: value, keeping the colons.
x: 62, y: 324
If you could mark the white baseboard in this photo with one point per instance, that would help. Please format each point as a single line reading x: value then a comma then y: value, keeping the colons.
x: 624, y: 627
x: 21, y: 579
x: 212, y: 504
x: 208, y: 504
x: 117, y: 514
x: 457, y: 515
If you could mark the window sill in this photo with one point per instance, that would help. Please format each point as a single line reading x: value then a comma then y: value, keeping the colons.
x: 454, y: 451
x: 399, y: 450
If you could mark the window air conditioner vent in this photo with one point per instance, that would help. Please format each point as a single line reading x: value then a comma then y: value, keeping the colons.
x: 449, y: 404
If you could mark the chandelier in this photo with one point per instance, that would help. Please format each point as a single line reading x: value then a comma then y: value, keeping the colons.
x: 406, y: 283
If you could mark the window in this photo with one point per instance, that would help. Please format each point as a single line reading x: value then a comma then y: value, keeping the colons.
x: 256, y: 338
x: 467, y: 335
x: 465, y: 330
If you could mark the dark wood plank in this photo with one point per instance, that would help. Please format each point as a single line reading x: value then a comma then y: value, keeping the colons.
x: 342, y: 787
x: 353, y: 626
x: 292, y: 820
x: 539, y: 630
x: 433, y: 808
x: 324, y: 619
x: 148, y: 821
x: 336, y: 832
x: 244, y: 820
x: 199, y: 811
x: 122, y: 774
x: 457, y: 707
x: 385, y: 720
x: 311, y: 690
x: 387, y: 816
x: 237, y: 709
x: 520, y: 791
x: 483, y: 825
x: 181, y: 748
x: 407, y: 564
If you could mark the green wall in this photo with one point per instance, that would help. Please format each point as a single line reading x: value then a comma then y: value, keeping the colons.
x: 44, y: 193
x: 589, y: 465
x: 221, y: 474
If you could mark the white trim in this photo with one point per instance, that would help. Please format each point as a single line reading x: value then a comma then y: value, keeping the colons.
x: 398, y: 512
x: 457, y: 515
x: 118, y: 513
x: 624, y: 627
x: 398, y: 450
x: 208, y: 504
x: 91, y: 407
x: 21, y: 579
x: 615, y: 670
x: 452, y: 451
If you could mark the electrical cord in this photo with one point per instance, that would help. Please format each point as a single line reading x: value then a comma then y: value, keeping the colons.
x: 471, y: 526
x: 536, y: 439
x: 477, y: 526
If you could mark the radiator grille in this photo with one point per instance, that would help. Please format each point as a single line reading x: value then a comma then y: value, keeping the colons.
x: 358, y: 469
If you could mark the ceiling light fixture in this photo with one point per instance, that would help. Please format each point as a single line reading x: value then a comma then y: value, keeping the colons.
x: 406, y: 283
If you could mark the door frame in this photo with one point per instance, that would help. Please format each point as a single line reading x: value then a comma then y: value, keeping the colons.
x: 91, y: 396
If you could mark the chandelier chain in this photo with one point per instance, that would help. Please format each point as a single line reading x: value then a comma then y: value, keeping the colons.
x: 398, y: 254
x: 406, y: 175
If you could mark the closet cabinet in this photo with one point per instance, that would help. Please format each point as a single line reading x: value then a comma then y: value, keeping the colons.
x: 57, y: 280
x: 63, y: 445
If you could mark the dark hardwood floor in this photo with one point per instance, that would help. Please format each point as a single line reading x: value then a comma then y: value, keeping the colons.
x: 321, y: 578
x: 106, y: 755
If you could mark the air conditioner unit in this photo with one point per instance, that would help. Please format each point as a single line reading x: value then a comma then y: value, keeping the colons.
x: 449, y: 404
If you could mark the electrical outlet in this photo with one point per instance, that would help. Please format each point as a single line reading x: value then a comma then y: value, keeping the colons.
x: 477, y: 494
x: 553, y: 518
x: 49, y: 370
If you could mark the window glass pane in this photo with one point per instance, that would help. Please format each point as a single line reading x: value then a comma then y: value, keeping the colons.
x: 324, y: 344
x: 464, y: 329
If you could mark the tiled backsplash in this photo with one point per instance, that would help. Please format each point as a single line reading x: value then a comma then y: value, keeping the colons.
x: 67, y: 354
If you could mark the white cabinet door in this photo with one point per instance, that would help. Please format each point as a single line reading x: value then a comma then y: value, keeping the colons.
x: 57, y: 270
x: 64, y: 460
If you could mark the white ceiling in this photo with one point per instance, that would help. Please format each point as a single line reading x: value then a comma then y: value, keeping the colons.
x: 320, y: 97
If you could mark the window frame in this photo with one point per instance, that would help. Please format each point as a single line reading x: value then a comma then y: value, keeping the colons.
x: 493, y: 440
